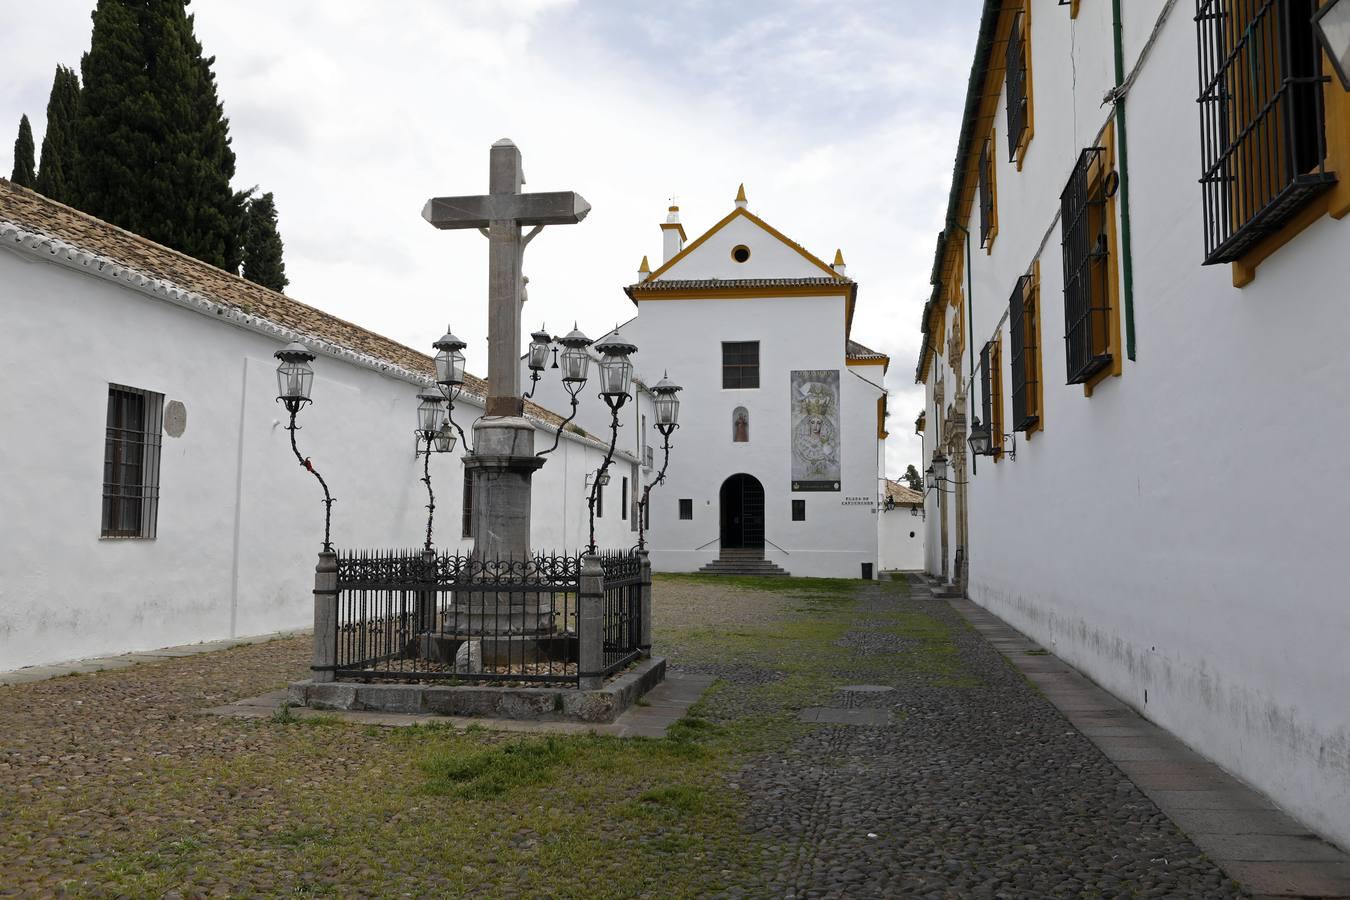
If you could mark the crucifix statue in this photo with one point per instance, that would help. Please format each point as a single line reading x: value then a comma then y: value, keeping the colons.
x: 503, y: 459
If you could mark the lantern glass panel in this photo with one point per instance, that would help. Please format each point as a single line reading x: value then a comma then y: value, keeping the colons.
x: 294, y: 380
x: 445, y: 439
x: 429, y: 415
x: 538, y: 355
x: 667, y: 410
x: 450, y: 367
x: 616, y: 373
x: 576, y: 363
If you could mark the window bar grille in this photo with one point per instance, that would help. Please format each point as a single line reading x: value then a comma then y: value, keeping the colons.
x: 1016, y: 68
x: 1086, y: 299
x: 986, y: 192
x: 1263, y: 142
x: 986, y: 397
x: 134, y: 431
x: 1022, y: 334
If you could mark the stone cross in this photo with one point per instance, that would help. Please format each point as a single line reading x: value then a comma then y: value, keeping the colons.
x: 500, y: 215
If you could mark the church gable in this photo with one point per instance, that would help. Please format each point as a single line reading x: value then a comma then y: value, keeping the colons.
x: 743, y: 246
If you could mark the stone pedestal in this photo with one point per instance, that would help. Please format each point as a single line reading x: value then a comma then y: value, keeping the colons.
x: 501, y: 466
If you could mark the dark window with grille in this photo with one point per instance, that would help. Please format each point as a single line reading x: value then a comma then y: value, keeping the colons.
x: 1262, y: 133
x: 740, y: 364
x: 1087, y: 299
x: 799, y: 510
x: 1024, y: 331
x: 986, y: 392
x: 1016, y: 60
x: 131, y: 463
x: 986, y: 192
x: 686, y: 509
x: 466, y: 515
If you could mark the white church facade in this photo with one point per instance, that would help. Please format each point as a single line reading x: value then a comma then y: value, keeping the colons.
x: 781, y: 454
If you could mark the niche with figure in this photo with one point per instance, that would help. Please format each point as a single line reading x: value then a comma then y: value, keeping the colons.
x: 740, y: 425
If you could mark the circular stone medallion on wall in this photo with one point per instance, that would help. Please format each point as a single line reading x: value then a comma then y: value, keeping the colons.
x: 175, y: 418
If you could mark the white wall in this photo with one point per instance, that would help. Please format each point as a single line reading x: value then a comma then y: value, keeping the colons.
x: 239, y: 521
x: 794, y: 333
x: 901, y: 540
x: 1179, y: 535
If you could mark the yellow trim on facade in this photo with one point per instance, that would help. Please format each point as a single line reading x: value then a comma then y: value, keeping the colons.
x: 1108, y: 164
x: 667, y: 226
x: 995, y: 423
x: 1335, y: 202
x: 1073, y: 9
x: 726, y: 220
x: 1030, y: 130
x: 739, y: 292
x: 882, y: 433
x: 884, y: 362
x: 993, y: 191
x: 645, y: 267
x: 1034, y: 301
x: 740, y: 194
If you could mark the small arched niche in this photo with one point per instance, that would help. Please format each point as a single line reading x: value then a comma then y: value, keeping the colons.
x: 740, y: 425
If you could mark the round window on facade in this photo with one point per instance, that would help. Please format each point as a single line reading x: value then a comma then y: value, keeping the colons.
x: 740, y: 253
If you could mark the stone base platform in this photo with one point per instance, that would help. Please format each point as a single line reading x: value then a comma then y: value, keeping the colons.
x: 488, y: 701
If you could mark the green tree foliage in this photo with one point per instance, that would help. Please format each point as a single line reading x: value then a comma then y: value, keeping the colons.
x: 262, y: 245
x: 59, y: 146
x: 23, y: 155
x: 154, y: 142
x: 913, y: 478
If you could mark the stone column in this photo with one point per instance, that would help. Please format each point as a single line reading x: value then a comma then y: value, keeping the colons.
x: 591, y: 625
x: 502, y: 462
x: 645, y: 607
x: 325, y: 618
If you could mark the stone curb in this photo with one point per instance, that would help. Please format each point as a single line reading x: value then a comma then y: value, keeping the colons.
x: 1266, y: 851
x: 104, y: 663
x: 526, y: 703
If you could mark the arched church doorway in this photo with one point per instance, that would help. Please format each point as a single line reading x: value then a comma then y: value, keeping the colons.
x: 742, y: 511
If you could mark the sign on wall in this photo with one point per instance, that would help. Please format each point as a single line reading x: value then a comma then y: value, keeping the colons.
x: 815, y: 430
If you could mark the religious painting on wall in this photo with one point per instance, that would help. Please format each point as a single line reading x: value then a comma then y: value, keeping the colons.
x: 815, y: 430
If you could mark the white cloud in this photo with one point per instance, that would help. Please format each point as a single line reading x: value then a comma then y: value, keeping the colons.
x: 842, y: 125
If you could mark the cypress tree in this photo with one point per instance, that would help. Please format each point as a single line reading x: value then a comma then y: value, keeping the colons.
x: 56, y: 177
x: 154, y: 142
x: 262, y: 245
x: 23, y: 155
x: 116, y: 120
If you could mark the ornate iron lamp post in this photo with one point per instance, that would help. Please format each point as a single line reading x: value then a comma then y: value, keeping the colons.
x: 616, y: 377
x: 431, y: 428
x: 667, y: 420
x: 576, y: 364
x: 537, y: 358
x: 295, y: 378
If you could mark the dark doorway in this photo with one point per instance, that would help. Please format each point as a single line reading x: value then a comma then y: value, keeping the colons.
x: 742, y: 500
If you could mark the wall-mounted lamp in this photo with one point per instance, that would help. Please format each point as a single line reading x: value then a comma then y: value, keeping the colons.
x: 1332, y: 25
x: 981, y: 442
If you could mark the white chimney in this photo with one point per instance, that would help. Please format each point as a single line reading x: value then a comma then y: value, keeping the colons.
x: 741, y: 202
x: 644, y: 271
x: 838, y: 265
x: 672, y: 234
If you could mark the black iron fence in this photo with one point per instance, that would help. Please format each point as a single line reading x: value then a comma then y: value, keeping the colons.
x: 412, y: 615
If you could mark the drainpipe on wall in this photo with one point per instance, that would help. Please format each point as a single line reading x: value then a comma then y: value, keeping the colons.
x: 969, y: 335
x: 1127, y: 261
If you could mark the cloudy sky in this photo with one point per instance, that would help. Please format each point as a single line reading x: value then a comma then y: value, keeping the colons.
x: 841, y: 119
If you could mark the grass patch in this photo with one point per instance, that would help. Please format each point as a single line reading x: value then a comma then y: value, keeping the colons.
x: 496, y: 771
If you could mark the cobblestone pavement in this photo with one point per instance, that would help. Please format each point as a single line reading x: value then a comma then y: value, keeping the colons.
x: 974, y: 786
x: 962, y: 781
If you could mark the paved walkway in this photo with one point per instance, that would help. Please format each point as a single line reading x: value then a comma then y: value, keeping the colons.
x: 1265, y: 850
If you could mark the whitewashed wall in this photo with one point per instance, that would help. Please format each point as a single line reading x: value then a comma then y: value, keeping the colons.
x: 900, y: 540
x: 839, y: 533
x: 239, y: 521
x: 1180, y: 534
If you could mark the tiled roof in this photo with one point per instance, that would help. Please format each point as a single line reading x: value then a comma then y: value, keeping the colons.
x: 858, y: 351
x: 903, y: 495
x: 32, y: 211
x: 699, y: 284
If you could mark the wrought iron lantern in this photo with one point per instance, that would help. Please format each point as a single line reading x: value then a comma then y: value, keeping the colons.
x: 979, y: 439
x: 444, y: 439
x: 667, y: 404
x: 576, y: 360
x: 616, y: 370
x: 1332, y: 24
x: 294, y: 375
x: 939, y: 469
x: 601, y: 478
x: 538, y: 353
x: 430, y: 413
x: 449, y: 362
